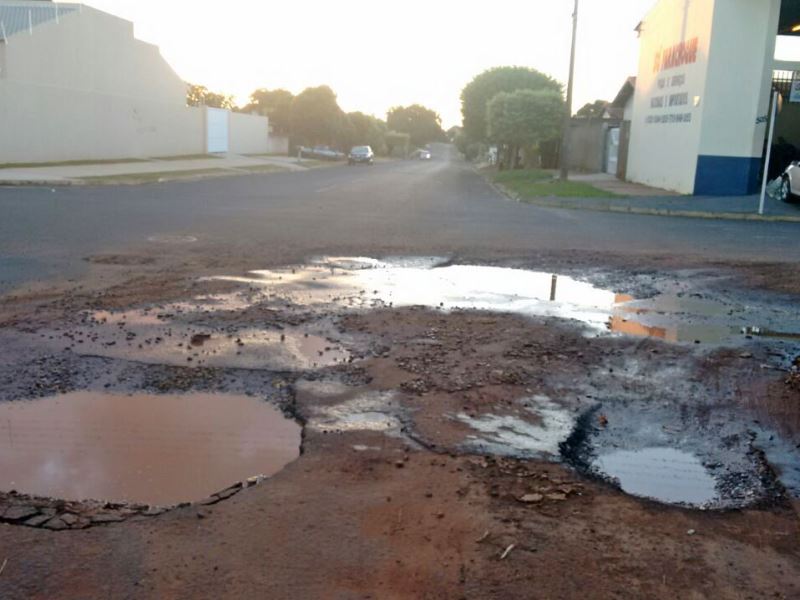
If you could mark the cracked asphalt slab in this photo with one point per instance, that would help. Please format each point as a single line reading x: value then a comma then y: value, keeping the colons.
x: 453, y: 452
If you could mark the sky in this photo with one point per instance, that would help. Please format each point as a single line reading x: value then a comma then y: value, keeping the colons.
x: 377, y: 54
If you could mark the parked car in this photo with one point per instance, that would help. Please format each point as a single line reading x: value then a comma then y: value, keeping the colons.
x: 321, y: 153
x: 361, y: 154
x: 789, y: 189
x: 424, y: 154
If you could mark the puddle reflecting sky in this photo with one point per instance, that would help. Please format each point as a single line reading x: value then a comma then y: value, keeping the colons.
x: 663, y: 474
x: 365, y: 282
x: 153, y: 449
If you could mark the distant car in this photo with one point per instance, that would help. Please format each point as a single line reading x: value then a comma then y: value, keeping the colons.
x: 789, y: 189
x: 322, y: 153
x: 361, y: 154
x: 424, y: 154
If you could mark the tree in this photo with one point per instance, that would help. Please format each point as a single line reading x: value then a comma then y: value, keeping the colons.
x: 476, y: 95
x: 199, y: 95
x: 275, y: 104
x: 366, y: 130
x: 524, y: 118
x: 594, y: 109
x: 315, y: 117
x: 422, y: 124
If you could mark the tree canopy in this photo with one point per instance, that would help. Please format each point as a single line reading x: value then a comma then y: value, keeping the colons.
x: 199, y: 95
x: 315, y: 117
x: 275, y: 104
x: 524, y: 118
x: 476, y: 95
x: 422, y: 124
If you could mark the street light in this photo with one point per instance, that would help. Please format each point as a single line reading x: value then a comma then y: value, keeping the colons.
x: 564, y: 154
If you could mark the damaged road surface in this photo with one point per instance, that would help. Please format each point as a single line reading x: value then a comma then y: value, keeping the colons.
x: 391, y: 384
x: 466, y: 429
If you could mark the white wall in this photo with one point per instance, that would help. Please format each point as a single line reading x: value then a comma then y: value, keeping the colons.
x: 249, y: 134
x: 710, y: 140
x: 85, y: 88
x: 664, y: 154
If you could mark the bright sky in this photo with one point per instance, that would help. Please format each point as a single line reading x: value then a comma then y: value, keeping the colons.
x: 380, y: 53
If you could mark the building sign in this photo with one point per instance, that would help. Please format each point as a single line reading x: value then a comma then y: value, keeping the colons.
x: 678, y: 55
x: 670, y: 102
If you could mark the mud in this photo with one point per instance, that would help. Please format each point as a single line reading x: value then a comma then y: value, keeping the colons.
x: 446, y: 432
x: 140, y: 448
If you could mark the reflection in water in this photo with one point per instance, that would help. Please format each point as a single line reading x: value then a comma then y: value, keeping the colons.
x: 664, y: 474
x: 365, y: 283
x: 143, y: 448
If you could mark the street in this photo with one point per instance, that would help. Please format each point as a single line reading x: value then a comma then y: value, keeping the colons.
x: 399, y: 207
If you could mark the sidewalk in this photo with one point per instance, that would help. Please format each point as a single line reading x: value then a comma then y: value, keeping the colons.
x: 146, y: 170
x: 639, y: 199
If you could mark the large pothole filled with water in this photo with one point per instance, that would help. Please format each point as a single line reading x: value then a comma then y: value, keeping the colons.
x: 141, y: 448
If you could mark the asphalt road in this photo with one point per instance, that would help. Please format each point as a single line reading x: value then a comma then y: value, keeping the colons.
x: 403, y: 207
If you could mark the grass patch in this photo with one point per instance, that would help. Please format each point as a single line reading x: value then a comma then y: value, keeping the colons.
x: 541, y: 183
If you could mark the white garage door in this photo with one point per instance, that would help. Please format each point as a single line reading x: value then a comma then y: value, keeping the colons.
x: 216, y: 130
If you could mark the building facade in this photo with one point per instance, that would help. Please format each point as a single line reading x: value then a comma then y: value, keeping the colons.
x: 75, y: 84
x: 699, y: 113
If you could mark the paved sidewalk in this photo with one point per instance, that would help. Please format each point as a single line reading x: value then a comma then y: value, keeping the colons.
x: 141, y: 171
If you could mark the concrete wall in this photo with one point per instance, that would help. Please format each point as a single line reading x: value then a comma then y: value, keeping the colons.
x: 85, y: 88
x: 701, y: 93
x: 249, y: 134
x: 587, y: 144
x: 278, y: 144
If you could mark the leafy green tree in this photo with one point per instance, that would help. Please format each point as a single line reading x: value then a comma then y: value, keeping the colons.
x: 594, y: 109
x: 315, y: 117
x: 476, y: 95
x: 422, y: 124
x: 366, y: 130
x: 275, y: 104
x: 524, y: 119
x: 199, y: 95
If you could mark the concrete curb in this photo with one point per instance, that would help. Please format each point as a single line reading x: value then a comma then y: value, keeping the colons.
x: 595, y: 206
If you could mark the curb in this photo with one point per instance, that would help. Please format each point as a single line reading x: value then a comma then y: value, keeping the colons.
x: 635, y: 210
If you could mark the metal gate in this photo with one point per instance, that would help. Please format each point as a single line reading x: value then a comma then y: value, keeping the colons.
x: 216, y: 130
x: 612, y: 150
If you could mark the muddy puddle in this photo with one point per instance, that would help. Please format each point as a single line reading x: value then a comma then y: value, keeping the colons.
x: 152, y: 449
x: 663, y: 474
x: 358, y: 282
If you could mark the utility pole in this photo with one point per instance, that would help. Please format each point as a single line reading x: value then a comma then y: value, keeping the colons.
x: 564, y: 153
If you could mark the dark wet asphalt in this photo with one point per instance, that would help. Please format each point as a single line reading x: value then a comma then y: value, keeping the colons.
x: 410, y: 207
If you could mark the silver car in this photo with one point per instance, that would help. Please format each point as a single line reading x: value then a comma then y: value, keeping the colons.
x: 789, y: 189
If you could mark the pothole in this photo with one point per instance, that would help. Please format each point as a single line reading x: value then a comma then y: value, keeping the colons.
x: 664, y: 474
x: 359, y: 282
x: 141, y: 449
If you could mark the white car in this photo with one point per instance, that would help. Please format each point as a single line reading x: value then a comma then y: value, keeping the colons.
x: 789, y: 189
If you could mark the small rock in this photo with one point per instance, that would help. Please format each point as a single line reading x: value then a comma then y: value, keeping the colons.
x: 558, y: 497
x: 531, y: 498
x: 691, y: 532
x: 69, y: 519
x: 399, y: 464
x: 56, y: 524
x: 19, y: 513
x: 746, y: 355
x: 37, y: 521
x: 107, y: 518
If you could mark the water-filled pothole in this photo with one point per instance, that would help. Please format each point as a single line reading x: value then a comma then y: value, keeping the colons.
x: 664, y: 474
x: 140, y: 448
x: 358, y: 282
